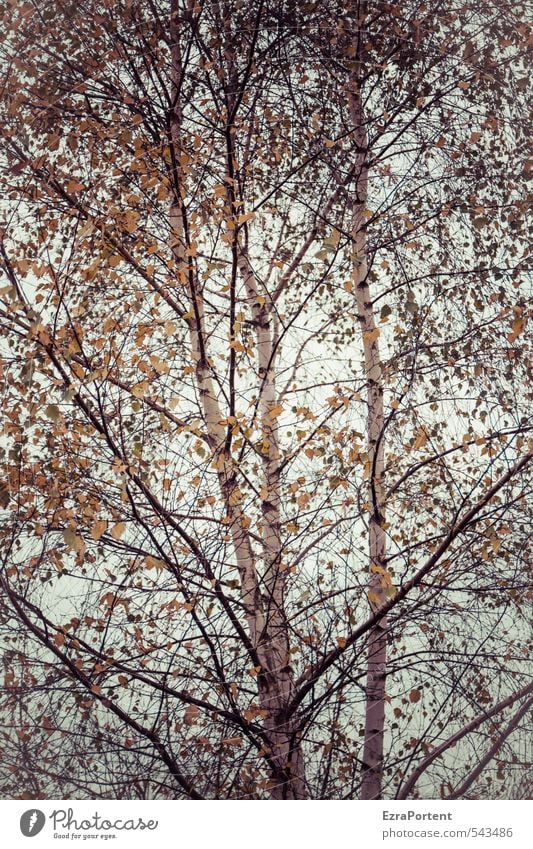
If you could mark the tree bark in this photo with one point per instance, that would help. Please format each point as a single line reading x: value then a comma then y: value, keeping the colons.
x: 378, y: 575
x: 279, y: 687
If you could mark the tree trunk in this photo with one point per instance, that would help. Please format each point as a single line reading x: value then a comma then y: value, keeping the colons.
x: 262, y: 595
x: 378, y: 581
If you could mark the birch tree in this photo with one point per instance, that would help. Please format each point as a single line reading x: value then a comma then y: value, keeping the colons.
x: 265, y: 399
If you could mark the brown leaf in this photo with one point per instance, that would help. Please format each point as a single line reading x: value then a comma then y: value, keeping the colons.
x: 99, y: 529
x: 191, y: 715
x: 118, y: 530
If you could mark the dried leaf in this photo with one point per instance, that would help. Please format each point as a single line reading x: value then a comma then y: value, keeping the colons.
x: 99, y: 529
x: 118, y: 530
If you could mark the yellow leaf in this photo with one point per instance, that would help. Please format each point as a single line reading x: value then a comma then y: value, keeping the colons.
x: 374, y: 598
x: 139, y: 391
x: 159, y: 365
x: 517, y: 326
x: 371, y: 335
x: 275, y: 411
x: 421, y: 438
x: 246, y: 216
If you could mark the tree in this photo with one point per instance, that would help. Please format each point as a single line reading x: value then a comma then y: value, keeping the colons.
x: 265, y: 381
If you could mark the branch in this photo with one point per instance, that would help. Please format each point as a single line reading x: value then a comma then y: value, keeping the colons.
x: 471, y: 726
x: 316, y: 673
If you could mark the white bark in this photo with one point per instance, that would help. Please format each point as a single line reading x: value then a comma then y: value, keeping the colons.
x: 377, y: 641
x: 280, y: 687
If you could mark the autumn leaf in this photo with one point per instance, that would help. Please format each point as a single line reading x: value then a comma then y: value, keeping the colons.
x: 99, y: 529
x: 117, y: 530
x: 191, y: 715
x: 74, y: 186
x: 52, y: 411
x: 275, y: 411
x: 131, y: 220
x: 517, y: 328
x: 245, y: 216
x: 74, y: 542
x: 154, y: 563
x: 374, y: 598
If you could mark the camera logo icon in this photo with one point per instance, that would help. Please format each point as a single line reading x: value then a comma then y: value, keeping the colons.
x: 32, y: 822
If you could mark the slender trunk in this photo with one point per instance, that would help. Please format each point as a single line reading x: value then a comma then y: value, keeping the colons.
x: 262, y: 597
x: 378, y: 576
x: 279, y: 685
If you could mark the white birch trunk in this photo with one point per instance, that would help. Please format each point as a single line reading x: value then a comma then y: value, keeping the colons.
x: 377, y: 642
x: 280, y: 687
x: 263, y: 599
